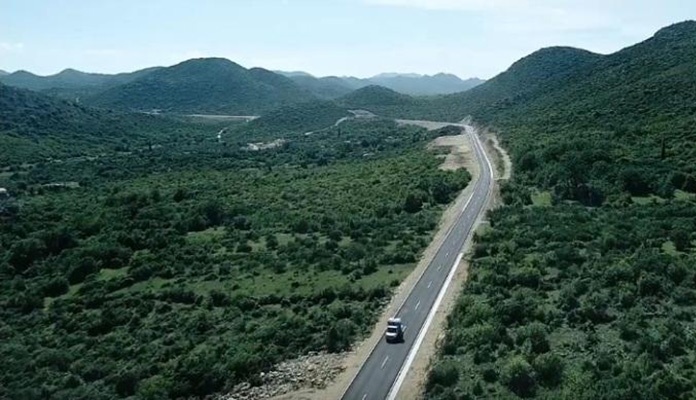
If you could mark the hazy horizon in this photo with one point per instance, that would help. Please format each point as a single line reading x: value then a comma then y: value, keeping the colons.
x: 385, y: 73
x: 361, y: 38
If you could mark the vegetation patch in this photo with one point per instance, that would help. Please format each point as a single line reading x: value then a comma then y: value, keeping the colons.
x: 192, y: 267
x: 592, y: 295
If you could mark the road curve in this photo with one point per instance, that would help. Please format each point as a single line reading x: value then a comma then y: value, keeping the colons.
x: 378, y: 374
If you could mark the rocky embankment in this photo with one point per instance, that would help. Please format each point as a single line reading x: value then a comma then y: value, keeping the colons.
x: 315, y: 371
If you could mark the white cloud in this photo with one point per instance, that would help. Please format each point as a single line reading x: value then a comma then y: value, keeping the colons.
x: 454, y: 5
x: 526, y: 16
x: 7, y: 47
x: 104, y: 52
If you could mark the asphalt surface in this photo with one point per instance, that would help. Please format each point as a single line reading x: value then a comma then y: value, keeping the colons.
x: 379, y: 372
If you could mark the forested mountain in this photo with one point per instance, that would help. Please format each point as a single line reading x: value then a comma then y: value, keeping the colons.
x: 542, y: 72
x: 35, y: 127
x: 583, y: 287
x: 561, y: 103
x: 206, y: 85
x: 2, y: 73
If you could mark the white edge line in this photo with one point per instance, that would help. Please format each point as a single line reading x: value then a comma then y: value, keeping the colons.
x: 421, y: 334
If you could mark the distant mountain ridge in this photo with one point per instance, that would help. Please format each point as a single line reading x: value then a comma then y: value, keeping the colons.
x: 70, y: 83
x: 425, y: 84
x: 408, y: 83
x: 217, y: 85
x: 69, y: 78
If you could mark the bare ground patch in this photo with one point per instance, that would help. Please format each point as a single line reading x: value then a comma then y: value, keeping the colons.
x: 501, y: 162
x: 461, y: 156
x: 499, y: 156
x: 265, y: 146
x: 429, y: 125
x: 459, y: 153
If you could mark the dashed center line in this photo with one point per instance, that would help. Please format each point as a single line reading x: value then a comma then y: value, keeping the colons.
x: 430, y: 284
x: 385, y: 361
x: 417, y: 305
x: 364, y: 396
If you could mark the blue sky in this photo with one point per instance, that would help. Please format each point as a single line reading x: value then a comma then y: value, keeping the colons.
x: 324, y: 37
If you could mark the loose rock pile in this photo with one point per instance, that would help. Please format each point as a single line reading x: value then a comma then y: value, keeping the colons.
x: 315, y: 370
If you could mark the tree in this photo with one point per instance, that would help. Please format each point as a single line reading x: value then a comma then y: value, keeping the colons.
x: 413, y: 203
x: 56, y: 287
x: 25, y: 252
x: 549, y: 369
x: 519, y: 376
x: 338, y: 337
x: 537, y: 335
x: 681, y: 239
x: 444, y: 373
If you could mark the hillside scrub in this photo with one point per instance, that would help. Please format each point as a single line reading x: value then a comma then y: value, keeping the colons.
x: 590, y: 294
x: 183, y: 270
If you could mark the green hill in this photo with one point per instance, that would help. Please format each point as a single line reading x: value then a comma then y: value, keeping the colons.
x: 375, y: 97
x: 301, y: 117
x: 34, y: 127
x: 539, y: 73
x: 207, y: 85
x: 564, y: 109
x: 583, y: 285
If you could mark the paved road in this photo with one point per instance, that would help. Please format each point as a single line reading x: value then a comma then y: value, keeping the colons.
x: 379, y: 373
